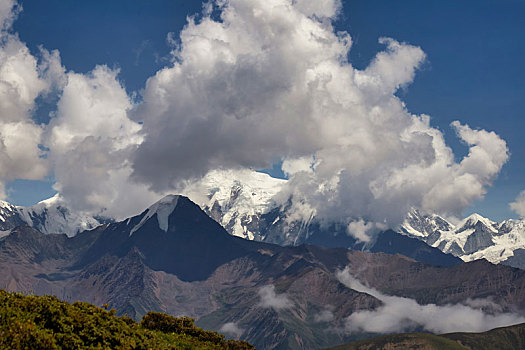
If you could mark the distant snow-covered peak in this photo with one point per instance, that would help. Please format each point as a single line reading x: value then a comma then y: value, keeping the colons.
x: 49, y: 202
x: 512, y: 224
x: 476, y: 221
x: 48, y: 216
x: 253, y: 188
x: 7, y: 205
x: 162, y: 208
x: 423, y: 225
x: 7, y: 210
x: 235, y: 197
x: 474, y: 237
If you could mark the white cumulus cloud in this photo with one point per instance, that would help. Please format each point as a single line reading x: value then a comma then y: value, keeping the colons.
x: 362, y: 230
x: 90, y: 141
x: 271, y: 80
x: 23, y: 77
x: 266, y: 80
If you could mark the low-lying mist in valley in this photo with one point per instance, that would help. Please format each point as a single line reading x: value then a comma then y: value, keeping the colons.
x: 398, y: 314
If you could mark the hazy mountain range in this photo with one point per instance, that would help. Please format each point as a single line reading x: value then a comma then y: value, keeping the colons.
x: 248, y: 204
x: 176, y: 259
x: 244, y: 202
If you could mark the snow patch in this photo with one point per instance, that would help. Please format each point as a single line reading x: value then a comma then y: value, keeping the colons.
x: 163, y: 208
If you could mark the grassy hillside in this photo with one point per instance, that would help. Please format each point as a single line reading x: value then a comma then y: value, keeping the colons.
x: 505, y: 338
x: 420, y: 341
x: 45, y: 322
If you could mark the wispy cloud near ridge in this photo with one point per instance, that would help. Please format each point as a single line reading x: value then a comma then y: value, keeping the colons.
x: 231, y: 329
x: 270, y: 299
x: 398, y: 314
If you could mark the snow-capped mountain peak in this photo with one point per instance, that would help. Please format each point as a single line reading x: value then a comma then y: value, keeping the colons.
x: 6, y: 205
x: 48, y: 216
x: 235, y: 198
x: 420, y: 225
x: 6, y: 210
x: 162, y: 208
x: 476, y: 221
x: 474, y: 237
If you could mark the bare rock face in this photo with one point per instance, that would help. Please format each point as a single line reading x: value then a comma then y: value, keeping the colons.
x: 480, y: 239
x: 174, y: 258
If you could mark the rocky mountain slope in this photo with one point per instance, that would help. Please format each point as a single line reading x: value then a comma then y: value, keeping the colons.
x: 249, y: 204
x: 173, y: 258
x: 473, y: 238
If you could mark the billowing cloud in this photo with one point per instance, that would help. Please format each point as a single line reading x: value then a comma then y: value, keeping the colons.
x: 9, y: 10
x: 518, y: 206
x: 266, y: 81
x: 271, y: 80
x: 362, y: 231
x: 270, y: 299
x: 231, y: 329
x: 90, y: 141
x: 399, y: 314
x: 23, y: 77
x: 237, y: 94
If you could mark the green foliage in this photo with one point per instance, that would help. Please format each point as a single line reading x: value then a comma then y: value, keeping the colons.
x: 185, y: 325
x: 167, y: 324
x: 45, y: 322
x: 504, y: 338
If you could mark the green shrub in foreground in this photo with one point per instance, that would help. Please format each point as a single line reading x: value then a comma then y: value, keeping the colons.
x: 45, y: 322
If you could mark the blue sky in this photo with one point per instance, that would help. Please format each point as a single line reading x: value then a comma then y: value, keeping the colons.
x: 473, y: 73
